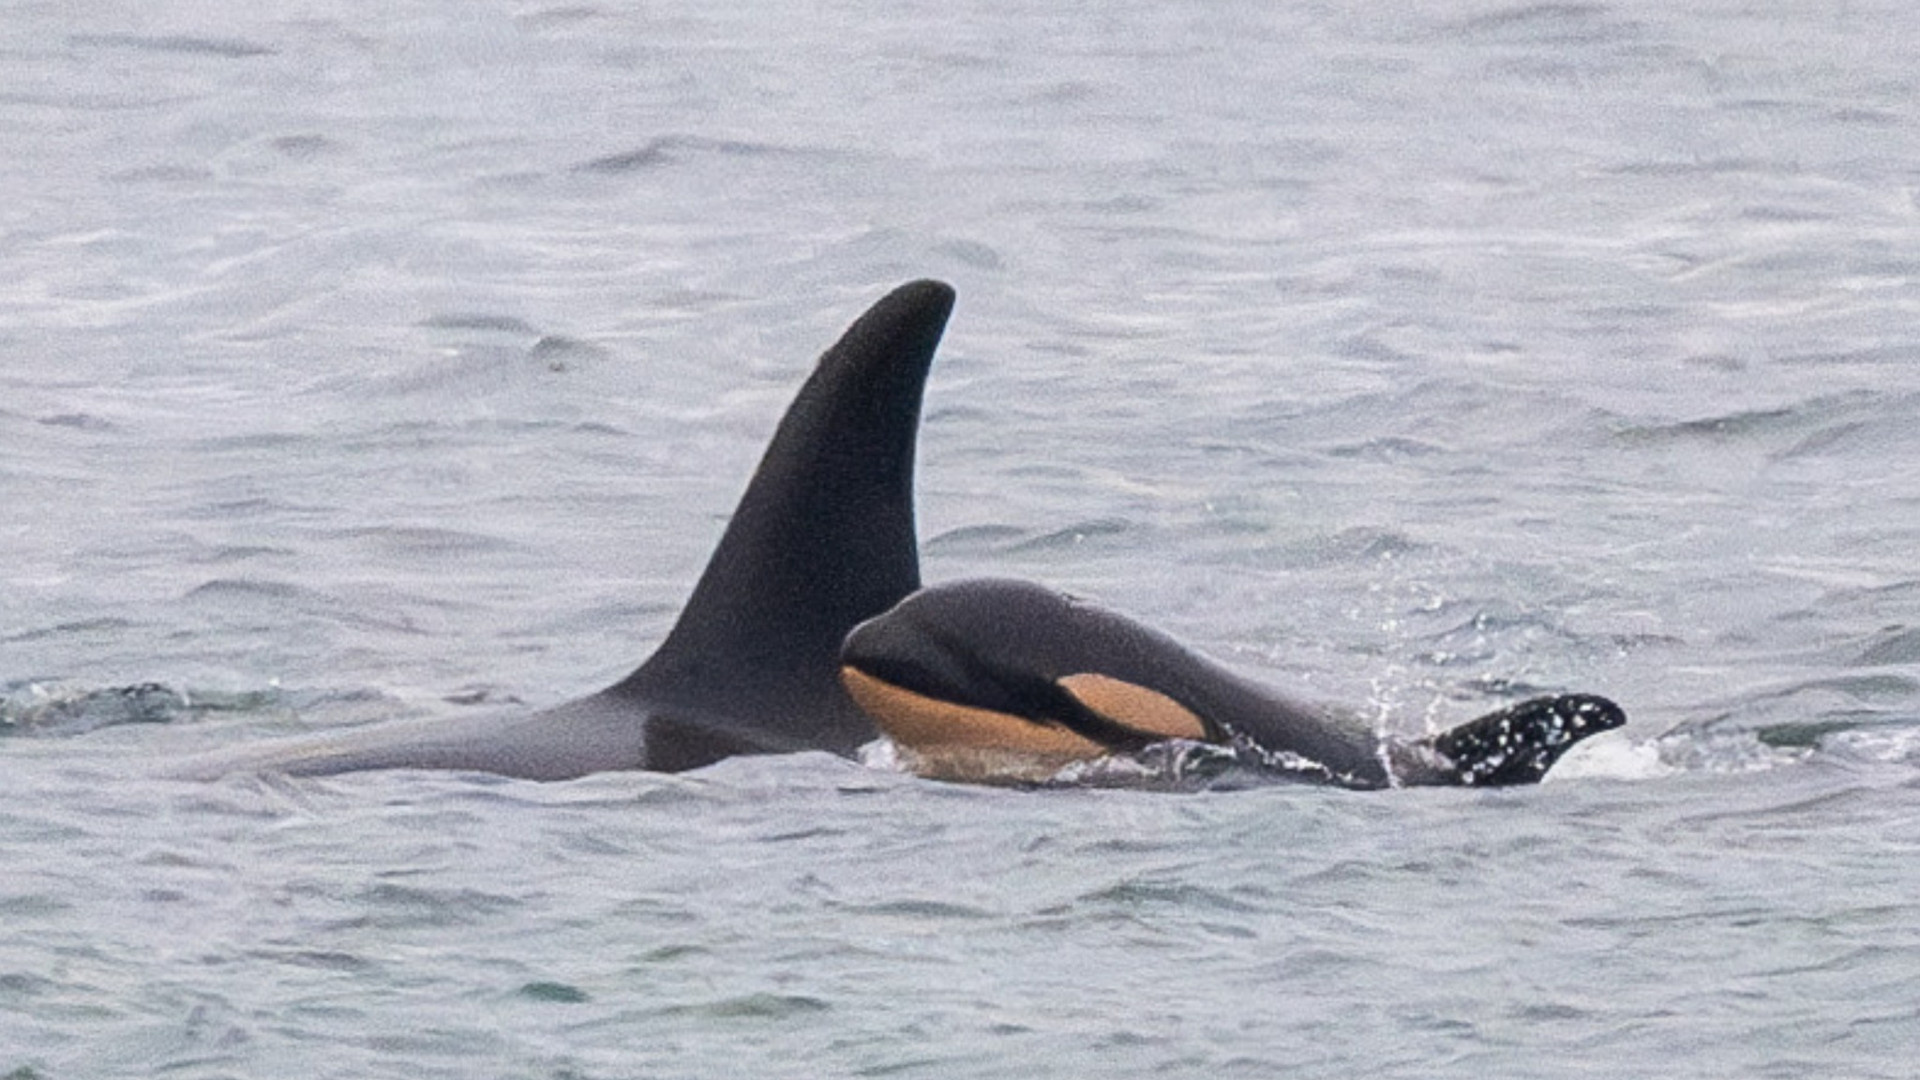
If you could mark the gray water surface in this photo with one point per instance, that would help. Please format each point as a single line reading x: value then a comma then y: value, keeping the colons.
x: 377, y: 360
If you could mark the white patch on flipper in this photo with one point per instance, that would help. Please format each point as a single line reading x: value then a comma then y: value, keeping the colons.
x: 1609, y: 755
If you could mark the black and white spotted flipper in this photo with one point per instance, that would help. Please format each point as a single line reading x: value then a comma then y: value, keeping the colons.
x: 1518, y: 744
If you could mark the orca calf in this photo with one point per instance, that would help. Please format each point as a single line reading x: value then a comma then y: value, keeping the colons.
x: 822, y: 539
x: 1010, y: 682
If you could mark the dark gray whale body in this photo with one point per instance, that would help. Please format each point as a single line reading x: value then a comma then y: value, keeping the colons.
x: 1007, y: 681
x: 822, y: 539
x: 808, y: 630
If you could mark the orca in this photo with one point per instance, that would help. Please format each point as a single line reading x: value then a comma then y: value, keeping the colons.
x: 822, y: 539
x: 1004, y: 681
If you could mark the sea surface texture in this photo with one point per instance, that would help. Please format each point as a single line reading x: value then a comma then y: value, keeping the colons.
x: 370, y: 360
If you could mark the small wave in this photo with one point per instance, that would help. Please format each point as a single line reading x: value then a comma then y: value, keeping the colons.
x: 1878, y: 356
x: 1879, y: 689
x: 921, y: 909
x: 1826, y: 440
x: 79, y: 422
x: 491, y: 697
x: 271, y: 441
x: 393, y: 906
x: 1480, y: 637
x: 1790, y: 215
x: 556, y: 993
x: 1723, y: 754
x: 163, y: 174
x: 481, y: 322
x: 1368, y: 545
x: 230, y: 510
x: 1801, y: 734
x: 560, y: 353
x: 41, y: 712
x: 224, y: 48
x: 976, y: 538
x: 1137, y: 893
x: 251, y: 588
x: 1739, y: 742
x: 670, y: 148
x: 318, y: 960
x: 972, y: 253
x: 1877, y: 743
x: 1896, y: 645
x: 1689, y: 167
x: 106, y: 625
x: 1074, y: 535
x: 1544, y: 24
x: 1811, y: 425
x: 423, y: 540
x: 752, y: 1007
x: 1388, y: 448
x: 51, y: 714
x: 1725, y: 427
x: 234, y: 553
x: 303, y: 147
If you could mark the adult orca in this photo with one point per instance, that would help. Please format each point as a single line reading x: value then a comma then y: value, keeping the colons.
x: 1007, y: 681
x: 822, y: 539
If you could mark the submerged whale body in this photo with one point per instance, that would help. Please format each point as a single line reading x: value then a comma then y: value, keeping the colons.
x: 1008, y: 681
x: 822, y: 539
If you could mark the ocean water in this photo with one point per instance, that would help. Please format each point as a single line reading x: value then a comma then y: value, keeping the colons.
x: 374, y: 360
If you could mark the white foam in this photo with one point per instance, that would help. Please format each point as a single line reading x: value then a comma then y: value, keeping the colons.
x: 882, y: 754
x: 1879, y: 745
x: 1610, y: 755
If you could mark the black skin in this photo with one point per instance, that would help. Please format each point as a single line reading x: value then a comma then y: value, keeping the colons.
x: 822, y: 538
x: 1001, y: 645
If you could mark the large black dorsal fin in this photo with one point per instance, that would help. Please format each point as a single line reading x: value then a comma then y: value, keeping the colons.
x: 822, y: 539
